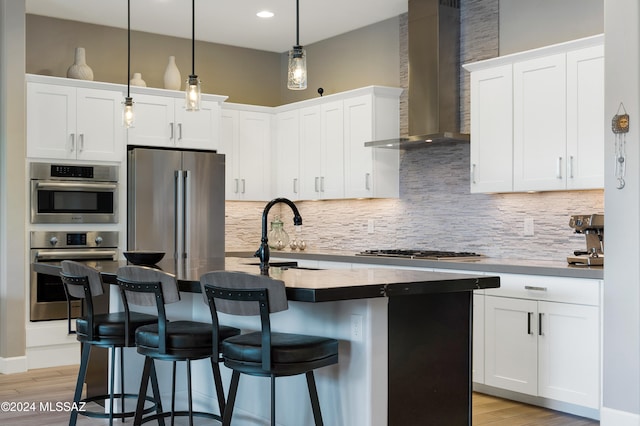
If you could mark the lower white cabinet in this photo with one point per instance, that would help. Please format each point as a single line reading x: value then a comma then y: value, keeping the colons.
x: 546, y: 341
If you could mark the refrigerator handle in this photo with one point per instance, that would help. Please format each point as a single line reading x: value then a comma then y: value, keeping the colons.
x: 186, y: 213
x: 179, y: 206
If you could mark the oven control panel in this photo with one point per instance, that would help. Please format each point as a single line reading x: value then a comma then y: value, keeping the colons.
x: 61, y: 239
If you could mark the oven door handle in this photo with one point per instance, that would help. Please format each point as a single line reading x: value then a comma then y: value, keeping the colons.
x: 73, y: 186
x: 75, y: 254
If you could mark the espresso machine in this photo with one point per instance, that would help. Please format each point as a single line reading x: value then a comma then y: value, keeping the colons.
x: 592, y: 226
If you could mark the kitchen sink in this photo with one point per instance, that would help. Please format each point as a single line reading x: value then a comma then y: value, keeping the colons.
x: 287, y: 265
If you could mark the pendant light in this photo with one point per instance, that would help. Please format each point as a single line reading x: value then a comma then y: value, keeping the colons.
x: 297, y: 70
x: 127, y: 113
x: 192, y: 95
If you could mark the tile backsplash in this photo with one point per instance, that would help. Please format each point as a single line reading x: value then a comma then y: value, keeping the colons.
x: 435, y: 211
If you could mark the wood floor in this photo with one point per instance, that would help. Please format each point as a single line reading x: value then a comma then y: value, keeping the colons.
x: 51, y: 385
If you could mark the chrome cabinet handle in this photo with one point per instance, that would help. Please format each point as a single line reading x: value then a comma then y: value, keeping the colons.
x: 534, y: 288
x: 73, y: 142
x: 236, y: 186
x: 179, y: 131
x: 559, y: 171
x: 244, y: 186
x: 171, y: 127
x: 295, y: 185
x: 80, y: 142
x: 473, y: 173
x: 571, y: 167
x: 367, y: 181
x: 316, y: 184
x: 322, y: 184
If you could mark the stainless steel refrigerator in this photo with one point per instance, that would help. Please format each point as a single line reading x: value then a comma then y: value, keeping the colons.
x: 176, y: 202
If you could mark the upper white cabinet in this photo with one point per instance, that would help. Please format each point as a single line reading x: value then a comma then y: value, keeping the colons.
x: 537, y: 119
x: 328, y: 135
x: 67, y: 122
x: 163, y: 121
x: 245, y: 139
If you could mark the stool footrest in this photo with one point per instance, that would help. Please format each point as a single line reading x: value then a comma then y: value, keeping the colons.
x: 181, y: 414
x: 116, y: 415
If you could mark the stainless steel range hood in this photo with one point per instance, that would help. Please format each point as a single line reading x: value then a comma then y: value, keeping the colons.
x: 434, y: 70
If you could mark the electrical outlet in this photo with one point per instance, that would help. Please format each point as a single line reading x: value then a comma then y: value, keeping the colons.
x: 370, y: 226
x: 356, y: 328
x: 528, y: 227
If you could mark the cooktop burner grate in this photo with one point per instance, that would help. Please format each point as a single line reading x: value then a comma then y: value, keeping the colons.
x: 421, y: 254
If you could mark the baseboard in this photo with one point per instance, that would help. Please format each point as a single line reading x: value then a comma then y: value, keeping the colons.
x: 16, y: 364
x: 611, y: 417
x: 53, y: 356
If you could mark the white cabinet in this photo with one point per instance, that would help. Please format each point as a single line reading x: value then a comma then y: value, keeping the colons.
x: 330, y: 135
x: 162, y: 121
x: 539, y: 123
x: 287, y: 160
x: 371, y: 172
x: 66, y: 122
x: 542, y: 112
x: 492, y: 129
x: 542, y: 338
x: 245, y: 137
x: 585, y: 124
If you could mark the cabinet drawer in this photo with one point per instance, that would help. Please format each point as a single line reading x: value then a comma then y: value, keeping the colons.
x: 555, y: 289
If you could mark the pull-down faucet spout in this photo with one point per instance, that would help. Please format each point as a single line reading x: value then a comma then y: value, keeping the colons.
x: 263, y: 251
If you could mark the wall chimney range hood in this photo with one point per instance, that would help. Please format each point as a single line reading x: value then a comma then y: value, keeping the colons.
x: 434, y: 72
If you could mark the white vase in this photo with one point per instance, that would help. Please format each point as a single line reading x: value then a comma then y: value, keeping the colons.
x: 137, y: 80
x: 80, y: 70
x: 172, y: 79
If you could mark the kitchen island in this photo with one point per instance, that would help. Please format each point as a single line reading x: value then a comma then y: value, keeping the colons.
x: 405, y: 342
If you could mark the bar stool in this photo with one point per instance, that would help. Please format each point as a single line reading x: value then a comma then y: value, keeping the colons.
x: 169, y: 340
x: 103, y: 330
x: 263, y: 353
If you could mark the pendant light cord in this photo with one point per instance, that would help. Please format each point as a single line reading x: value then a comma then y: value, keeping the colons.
x: 128, y: 46
x: 297, y: 23
x: 193, y: 37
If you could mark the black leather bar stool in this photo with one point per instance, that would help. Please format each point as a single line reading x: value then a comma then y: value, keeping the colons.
x: 263, y: 353
x: 103, y: 330
x: 169, y: 340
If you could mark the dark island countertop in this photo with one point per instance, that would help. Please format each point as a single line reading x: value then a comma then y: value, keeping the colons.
x: 309, y: 285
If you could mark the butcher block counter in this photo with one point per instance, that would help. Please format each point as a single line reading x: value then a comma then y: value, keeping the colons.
x: 404, y: 341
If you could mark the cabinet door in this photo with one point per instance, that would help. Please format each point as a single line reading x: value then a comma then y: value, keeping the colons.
x: 287, y: 160
x: 51, y: 121
x: 358, y: 159
x: 310, y: 153
x: 569, y: 353
x: 332, y: 146
x: 585, y: 125
x: 539, y: 124
x: 229, y: 147
x: 478, y: 338
x: 254, y: 155
x: 492, y: 130
x: 154, y: 123
x: 100, y: 133
x: 511, y: 344
x: 197, y: 129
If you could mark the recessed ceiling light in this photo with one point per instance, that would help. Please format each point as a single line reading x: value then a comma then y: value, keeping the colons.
x: 265, y: 14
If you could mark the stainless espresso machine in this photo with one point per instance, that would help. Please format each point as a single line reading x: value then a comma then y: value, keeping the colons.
x: 592, y: 226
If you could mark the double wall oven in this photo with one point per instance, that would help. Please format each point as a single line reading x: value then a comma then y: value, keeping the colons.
x: 62, y: 196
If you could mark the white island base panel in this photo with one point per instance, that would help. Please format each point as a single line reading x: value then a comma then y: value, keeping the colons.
x: 353, y: 392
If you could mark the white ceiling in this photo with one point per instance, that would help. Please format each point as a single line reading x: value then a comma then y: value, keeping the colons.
x: 232, y: 22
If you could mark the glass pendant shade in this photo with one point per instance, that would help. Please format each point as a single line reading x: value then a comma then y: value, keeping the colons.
x: 128, y: 113
x: 192, y: 93
x: 297, y: 74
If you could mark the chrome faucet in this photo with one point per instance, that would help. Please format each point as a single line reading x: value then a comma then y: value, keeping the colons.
x: 263, y: 251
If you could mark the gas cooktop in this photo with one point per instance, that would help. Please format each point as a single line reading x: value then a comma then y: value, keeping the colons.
x: 422, y: 254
